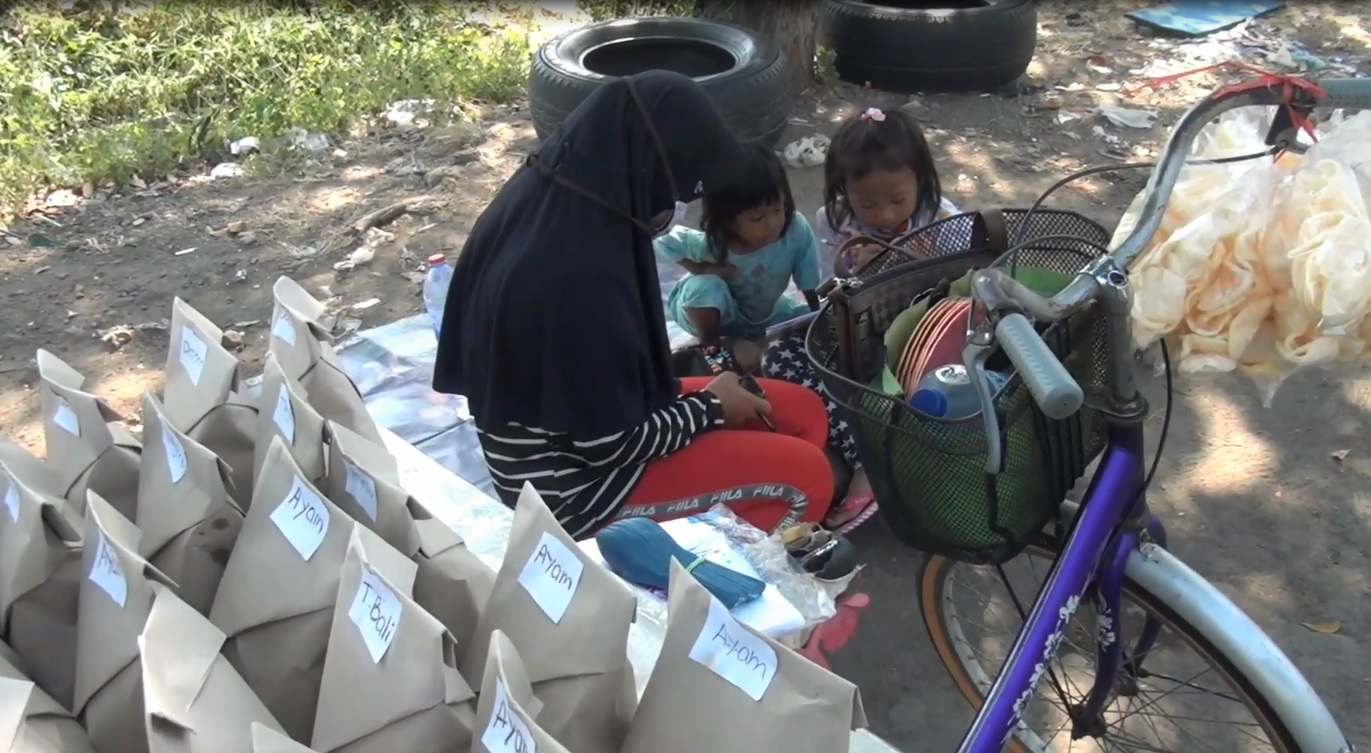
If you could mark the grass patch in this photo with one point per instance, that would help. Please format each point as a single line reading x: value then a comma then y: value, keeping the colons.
x: 92, y: 94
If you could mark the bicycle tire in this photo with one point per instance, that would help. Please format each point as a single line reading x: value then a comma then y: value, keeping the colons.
x: 932, y: 580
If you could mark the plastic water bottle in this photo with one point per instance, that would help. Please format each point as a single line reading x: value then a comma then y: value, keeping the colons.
x: 947, y: 392
x: 436, y: 282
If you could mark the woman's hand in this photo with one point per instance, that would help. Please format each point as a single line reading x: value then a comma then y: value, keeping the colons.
x: 740, y: 406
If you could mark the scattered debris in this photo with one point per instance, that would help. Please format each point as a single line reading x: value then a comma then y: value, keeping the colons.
x: 309, y: 142
x: 117, y: 336
x: 1339, y: 455
x: 361, y: 256
x: 227, y: 170
x: 808, y: 151
x: 364, y: 305
x: 387, y: 215
x: 245, y: 146
x: 185, y: 251
x: 233, y: 340
x: 1324, y: 627
x: 1126, y: 117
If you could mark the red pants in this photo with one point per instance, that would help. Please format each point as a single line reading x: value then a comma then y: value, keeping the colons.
x: 766, y: 478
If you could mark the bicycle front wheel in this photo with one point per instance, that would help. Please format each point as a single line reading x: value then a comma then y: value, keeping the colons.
x: 1187, y: 697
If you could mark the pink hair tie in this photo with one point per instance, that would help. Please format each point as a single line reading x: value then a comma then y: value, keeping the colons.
x: 873, y: 113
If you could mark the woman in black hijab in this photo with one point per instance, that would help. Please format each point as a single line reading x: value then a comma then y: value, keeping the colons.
x: 554, y: 330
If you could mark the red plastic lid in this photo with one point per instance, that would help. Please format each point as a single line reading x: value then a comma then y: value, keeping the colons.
x: 436, y: 259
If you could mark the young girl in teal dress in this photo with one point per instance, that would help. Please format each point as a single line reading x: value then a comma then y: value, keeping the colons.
x: 753, y: 245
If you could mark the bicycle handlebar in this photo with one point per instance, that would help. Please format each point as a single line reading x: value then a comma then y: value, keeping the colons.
x: 1056, y: 392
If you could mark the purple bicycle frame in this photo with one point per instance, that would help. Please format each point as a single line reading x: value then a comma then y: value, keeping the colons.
x: 1106, y: 529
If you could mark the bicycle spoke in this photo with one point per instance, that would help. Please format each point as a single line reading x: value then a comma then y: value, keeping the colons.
x: 1139, y: 721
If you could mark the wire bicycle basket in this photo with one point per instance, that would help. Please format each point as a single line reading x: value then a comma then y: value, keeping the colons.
x: 929, y: 473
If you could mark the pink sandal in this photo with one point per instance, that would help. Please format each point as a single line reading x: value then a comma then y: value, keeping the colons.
x: 862, y: 508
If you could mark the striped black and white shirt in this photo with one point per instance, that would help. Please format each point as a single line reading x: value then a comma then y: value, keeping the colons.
x: 585, y: 483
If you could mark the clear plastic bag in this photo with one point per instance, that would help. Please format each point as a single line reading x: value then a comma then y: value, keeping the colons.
x: 813, y: 598
x: 1261, y: 266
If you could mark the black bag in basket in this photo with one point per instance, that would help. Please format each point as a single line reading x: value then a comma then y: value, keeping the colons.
x: 929, y: 474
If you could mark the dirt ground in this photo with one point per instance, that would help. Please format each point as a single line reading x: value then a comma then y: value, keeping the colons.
x: 1254, y: 497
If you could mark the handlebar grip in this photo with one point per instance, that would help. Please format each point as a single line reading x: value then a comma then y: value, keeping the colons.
x: 1051, y: 385
x: 1348, y: 93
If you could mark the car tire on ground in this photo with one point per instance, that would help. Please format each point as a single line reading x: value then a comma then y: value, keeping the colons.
x: 743, y: 72
x: 918, y: 46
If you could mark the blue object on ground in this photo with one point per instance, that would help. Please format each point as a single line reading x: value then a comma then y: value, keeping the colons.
x: 640, y: 551
x: 1195, y: 18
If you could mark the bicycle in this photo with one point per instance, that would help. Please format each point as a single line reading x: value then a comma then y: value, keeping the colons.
x: 1110, y: 546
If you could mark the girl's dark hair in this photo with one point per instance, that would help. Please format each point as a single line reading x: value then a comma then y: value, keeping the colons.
x: 760, y: 180
x: 863, y: 145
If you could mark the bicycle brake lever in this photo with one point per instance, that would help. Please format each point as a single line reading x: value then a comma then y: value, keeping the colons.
x: 1287, y: 125
x: 974, y: 355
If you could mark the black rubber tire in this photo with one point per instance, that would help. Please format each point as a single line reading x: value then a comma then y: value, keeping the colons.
x: 753, y: 94
x: 933, y: 579
x: 929, y: 49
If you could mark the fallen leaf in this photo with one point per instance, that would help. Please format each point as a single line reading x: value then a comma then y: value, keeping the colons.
x: 1325, y: 627
x: 41, y: 241
x: 1339, y: 455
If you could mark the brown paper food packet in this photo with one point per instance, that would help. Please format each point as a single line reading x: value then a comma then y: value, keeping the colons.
x: 203, y: 397
x: 195, y: 701
x: 390, y: 679
x: 720, y: 686
x: 276, y: 599
x: 189, y: 520
x: 268, y: 740
x: 10, y: 659
x: 85, y: 446
x: 507, y: 709
x: 286, y: 414
x: 569, y: 618
x: 34, y: 472
x: 40, y: 584
x: 116, y: 598
x: 453, y: 584
x: 32, y: 721
x: 363, y: 480
x: 304, y: 350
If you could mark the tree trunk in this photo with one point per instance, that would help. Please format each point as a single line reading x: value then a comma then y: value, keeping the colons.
x: 792, y: 24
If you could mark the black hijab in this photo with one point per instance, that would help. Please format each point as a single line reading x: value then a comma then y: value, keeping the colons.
x: 554, y: 319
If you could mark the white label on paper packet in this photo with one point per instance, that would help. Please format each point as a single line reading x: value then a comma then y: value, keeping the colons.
x: 193, y: 354
x: 65, y: 417
x: 12, y: 500
x: 283, y: 329
x: 506, y: 732
x: 303, y: 519
x: 284, y: 415
x: 733, y: 653
x: 376, y: 613
x: 551, y: 576
x: 176, y: 455
x: 106, y: 573
x: 362, y: 488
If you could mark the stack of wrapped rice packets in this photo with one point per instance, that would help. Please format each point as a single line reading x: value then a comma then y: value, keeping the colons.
x: 252, y: 575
